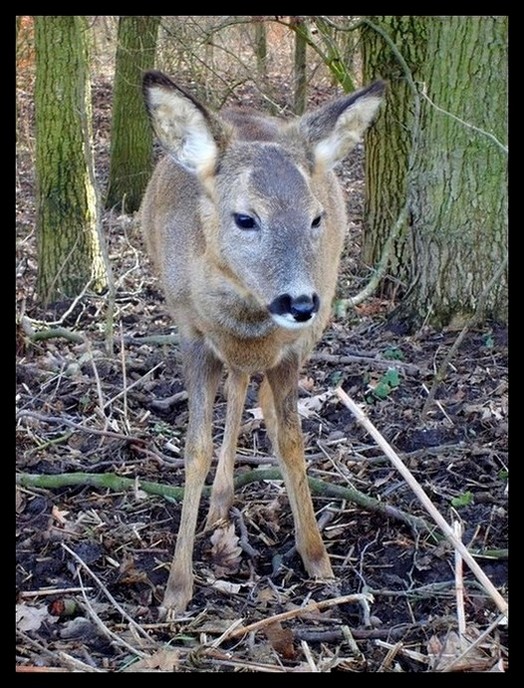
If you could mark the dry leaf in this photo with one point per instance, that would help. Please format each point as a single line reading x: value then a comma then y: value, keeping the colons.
x: 59, y: 515
x: 226, y: 586
x: 266, y: 595
x: 225, y: 552
x: 162, y: 660
x: 309, y: 406
x: 30, y: 618
x: 445, y: 652
x: 256, y: 413
x: 281, y: 640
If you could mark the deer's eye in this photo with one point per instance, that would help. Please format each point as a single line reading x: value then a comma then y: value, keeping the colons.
x: 244, y: 221
x: 316, y: 222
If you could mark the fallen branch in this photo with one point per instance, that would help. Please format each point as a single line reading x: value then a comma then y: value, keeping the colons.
x: 102, y: 480
x: 158, y: 339
x: 362, y: 598
x: 425, y: 500
x: 119, y: 484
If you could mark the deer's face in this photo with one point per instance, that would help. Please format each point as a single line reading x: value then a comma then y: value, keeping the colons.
x: 270, y: 230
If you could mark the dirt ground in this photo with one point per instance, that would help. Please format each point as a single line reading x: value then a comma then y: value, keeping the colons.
x: 92, y: 558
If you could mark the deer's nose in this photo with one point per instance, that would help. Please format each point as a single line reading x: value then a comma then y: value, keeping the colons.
x: 299, y: 309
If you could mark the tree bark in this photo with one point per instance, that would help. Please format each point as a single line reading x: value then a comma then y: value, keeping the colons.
x: 299, y: 67
x: 389, y: 141
x: 456, y: 235
x: 69, y: 252
x: 261, y: 47
x: 131, y: 156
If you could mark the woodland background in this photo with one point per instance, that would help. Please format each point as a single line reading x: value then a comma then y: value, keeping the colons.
x: 418, y: 338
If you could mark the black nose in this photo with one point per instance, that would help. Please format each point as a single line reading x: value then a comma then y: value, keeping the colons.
x: 301, y: 308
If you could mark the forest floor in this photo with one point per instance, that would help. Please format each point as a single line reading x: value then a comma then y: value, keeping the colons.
x: 92, y: 558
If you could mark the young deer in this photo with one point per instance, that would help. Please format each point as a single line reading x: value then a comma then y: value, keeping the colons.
x: 244, y: 221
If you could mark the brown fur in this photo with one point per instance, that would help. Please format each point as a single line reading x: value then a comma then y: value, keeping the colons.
x: 255, y: 299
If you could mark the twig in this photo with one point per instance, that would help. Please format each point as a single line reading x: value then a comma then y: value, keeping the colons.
x: 60, y: 420
x: 381, y: 266
x: 99, y: 393
x: 110, y: 597
x: 309, y: 657
x: 425, y: 500
x: 300, y: 611
x: 158, y: 339
x: 72, y: 663
x: 111, y: 286
x: 133, y: 384
x: 244, y: 537
x: 51, y: 591
x: 104, y: 480
x: 357, y: 358
x: 459, y: 585
x: 392, y: 652
x: 463, y: 122
x: 101, y: 625
x: 124, y: 374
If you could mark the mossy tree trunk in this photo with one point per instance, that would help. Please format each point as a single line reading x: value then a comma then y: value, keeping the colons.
x: 300, y: 76
x: 69, y: 251
x: 455, y: 237
x: 131, y: 156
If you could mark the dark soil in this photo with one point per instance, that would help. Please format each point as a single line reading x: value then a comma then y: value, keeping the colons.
x: 95, y: 406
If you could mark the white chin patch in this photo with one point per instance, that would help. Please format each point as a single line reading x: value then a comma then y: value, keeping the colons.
x: 289, y: 322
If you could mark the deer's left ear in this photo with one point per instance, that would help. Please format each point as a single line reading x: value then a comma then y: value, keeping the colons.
x: 332, y: 130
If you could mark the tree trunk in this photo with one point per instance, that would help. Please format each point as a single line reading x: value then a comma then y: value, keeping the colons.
x: 69, y: 253
x: 389, y: 141
x: 131, y: 156
x: 456, y: 235
x: 300, y: 67
x: 261, y: 47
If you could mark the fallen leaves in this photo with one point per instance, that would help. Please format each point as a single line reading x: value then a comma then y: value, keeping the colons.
x: 463, y: 653
x: 30, y: 617
x: 281, y: 640
x: 165, y: 659
x: 225, y: 551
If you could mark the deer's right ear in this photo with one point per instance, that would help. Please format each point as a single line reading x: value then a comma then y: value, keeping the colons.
x: 183, y: 126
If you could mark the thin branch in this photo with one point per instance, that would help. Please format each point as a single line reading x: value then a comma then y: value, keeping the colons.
x: 60, y: 420
x: 380, y: 269
x: 110, y: 597
x: 425, y: 500
x: 466, y: 124
x: 459, y: 585
x: 300, y: 611
x: 100, y: 480
x: 357, y: 358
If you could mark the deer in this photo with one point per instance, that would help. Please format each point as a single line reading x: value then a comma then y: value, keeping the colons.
x: 244, y: 221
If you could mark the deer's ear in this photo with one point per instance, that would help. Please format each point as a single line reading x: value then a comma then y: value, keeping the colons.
x: 183, y: 126
x: 332, y: 130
